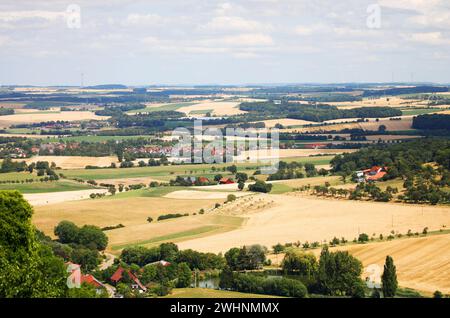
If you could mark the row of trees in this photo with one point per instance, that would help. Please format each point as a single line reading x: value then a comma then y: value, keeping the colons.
x: 335, y: 273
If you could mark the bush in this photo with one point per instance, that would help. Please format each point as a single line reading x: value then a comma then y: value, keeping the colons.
x: 171, y: 216
x: 260, y: 186
x: 230, y: 198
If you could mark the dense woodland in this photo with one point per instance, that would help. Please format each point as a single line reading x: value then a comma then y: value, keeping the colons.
x: 432, y: 122
x: 318, y: 112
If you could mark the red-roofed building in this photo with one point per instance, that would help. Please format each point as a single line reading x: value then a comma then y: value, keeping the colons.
x: 118, y: 276
x: 375, y: 173
x: 92, y: 281
x: 226, y: 181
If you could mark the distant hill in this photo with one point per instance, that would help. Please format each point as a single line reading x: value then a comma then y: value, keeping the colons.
x: 107, y: 86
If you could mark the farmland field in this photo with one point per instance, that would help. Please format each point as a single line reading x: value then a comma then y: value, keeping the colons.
x: 6, y: 121
x: 44, y: 187
x: 291, y: 219
x: 74, y: 162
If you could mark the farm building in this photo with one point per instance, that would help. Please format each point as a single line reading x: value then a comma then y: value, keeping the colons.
x: 118, y: 276
x: 226, y: 181
x: 94, y: 282
x: 373, y: 174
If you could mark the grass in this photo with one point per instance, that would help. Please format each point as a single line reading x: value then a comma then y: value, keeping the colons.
x: 17, y: 176
x: 169, y: 172
x: 147, y: 193
x: 201, y: 111
x: 279, y: 188
x: 43, y: 187
x: 211, y: 293
x: 419, y: 111
x: 173, y: 237
x: 214, y: 224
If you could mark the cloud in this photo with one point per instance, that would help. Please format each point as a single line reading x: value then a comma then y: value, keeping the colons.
x: 431, y: 38
x: 135, y: 19
x: 233, y: 23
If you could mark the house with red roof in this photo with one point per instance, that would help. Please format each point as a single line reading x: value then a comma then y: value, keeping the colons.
x: 375, y: 173
x: 92, y: 281
x: 118, y: 276
x: 226, y: 181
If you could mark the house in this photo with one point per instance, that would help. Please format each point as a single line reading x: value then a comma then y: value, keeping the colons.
x: 118, y: 276
x: 203, y: 180
x: 373, y: 174
x: 94, y: 282
x: 161, y: 262
x: 226, y: 181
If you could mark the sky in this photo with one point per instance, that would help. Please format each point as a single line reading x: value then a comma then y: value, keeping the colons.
x: 223, y: 42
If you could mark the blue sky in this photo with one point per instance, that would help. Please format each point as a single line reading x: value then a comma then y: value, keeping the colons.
x: 223, y: 42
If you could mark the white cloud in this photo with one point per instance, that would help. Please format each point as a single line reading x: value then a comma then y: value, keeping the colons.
x: 431, y: 38
x: 135, y: 19
x: 233, y: 23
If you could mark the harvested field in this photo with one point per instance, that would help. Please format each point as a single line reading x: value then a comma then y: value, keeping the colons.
x: 287, y: 153
x: 27, y: 136
x: 290, y: 219
x: 422, y: 263
x: 404, y: 124
x: 392, y: 101
x: 112, y: 211
x: 75, y: 162
x: 40, y: 199
x: 218, y: 108
x: 286, y: 122
x: 201, y: 195
x: 6, y: 121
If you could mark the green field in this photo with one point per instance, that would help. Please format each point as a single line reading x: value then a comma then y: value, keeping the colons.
x: 419, y: 111
x: 17, y: 176
x: 146, y: 193
x: 279, y: 188
x: 215, y: 224
x: 42, y: 187
x: 169, y: 172
x: 211, y: 293
x: 200, y: 111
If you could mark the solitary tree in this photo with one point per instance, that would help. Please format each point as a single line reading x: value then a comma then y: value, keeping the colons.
x: 389, y: 278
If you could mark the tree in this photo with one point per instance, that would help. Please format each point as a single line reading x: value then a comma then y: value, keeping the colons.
x: 382, y: 128
x: 363, y: 237
x: 260, y: 186
x: 304, y: 264
x: 67, y: 232
x: 232, y: 169
x: 339, y: 273
x: 241, y: 177
x: 226, y: 278
x: 184, y: 275
x: 389, y: 278
x: 438, y: 294
x: 27, y: 268
x: 232, y: 258
x: 86, y: 291
x: 87, y: 258
x: 278, y: 248
x: 168, y: 252
x: 241, y: 186
x: 92, y: 236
